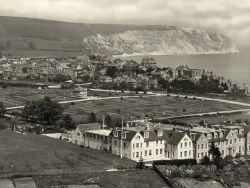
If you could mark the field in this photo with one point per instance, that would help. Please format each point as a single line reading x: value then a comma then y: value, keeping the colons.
x: 216, y: 119
x: 128, y: 179
x: 146, y: 107
x: 15, y: 96
x: 31, y: 152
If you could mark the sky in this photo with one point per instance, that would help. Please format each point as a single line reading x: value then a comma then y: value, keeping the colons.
x: 229, y: 17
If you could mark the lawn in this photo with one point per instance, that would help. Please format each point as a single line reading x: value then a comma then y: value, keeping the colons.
x: 31, y: 152
x: 146, y: 107
x: 126, y: 179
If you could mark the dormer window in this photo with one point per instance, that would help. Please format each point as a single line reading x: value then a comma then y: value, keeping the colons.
x: 78, y: 134
x: 146, y: 134
x: 116, y: 134
x: 160, y: 133
x: 124, y: 135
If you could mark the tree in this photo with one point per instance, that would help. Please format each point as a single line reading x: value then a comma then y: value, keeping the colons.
x: 205, y: 160
x: 92, y: 118
x: 44, y: 111
x: 214, y: 151
x: 163, y: 83
x: 216, y: 156
x: 32, y: 45
x: 109, y: 121
x: 25, y: 70
x: 2, y: 109
x: 68, y: 122
x: 2, y: 125
x: 112, y: 71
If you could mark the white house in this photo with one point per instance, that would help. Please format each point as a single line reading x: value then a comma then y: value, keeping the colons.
x: 80, y: 92
x: 179, y: 146
x: 78, y: 135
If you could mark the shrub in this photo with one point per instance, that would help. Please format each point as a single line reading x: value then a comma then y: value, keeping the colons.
x: 145, y: 92
x: 121, y: 98
x: 177, y: 162
x: 194, y: 98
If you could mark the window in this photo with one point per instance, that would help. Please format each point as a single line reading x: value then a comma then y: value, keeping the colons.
x: 189, y: 144
x: 239, y: 149
x: 202, y: 154
x: 181, y: 145
x: 198, y: 155
x: 206, y: 146
x: 150, y: 152
x: 173, y: 154
x: 133, y: 146
x: 222, y: 152
x: 133, y: 154
x: 160, y: 151
x: 189, y: 153
x: 185, y: 144
x: 185, y: 153
x: 198, y: 146
x: 157, y: 142
x: 137, y: 145
x: 181, y: 154
x: 160, y: 141
x: 146, y: 152
x: 231, y: 141
x: 116, y: 134
x: 124, y: 145
x: 78, y: 134
x: 235, y: 140
x: 146, y: 134
x: 141, y: 145
x: 147, y: 144
x: 201, y: 146
x: 124, y: 135
x: 115, y: 142
x: 137, y: 154
x: 233, y: 151
x: 226, y: 142
x: 156, y: 152
x: 239, y: 139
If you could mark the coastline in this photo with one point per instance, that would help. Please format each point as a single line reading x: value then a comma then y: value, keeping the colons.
x: 165, y: 54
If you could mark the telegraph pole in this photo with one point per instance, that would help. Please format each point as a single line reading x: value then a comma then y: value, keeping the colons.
x: 121, y: 138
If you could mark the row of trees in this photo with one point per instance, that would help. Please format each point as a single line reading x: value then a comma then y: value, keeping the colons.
x: 47, y: 112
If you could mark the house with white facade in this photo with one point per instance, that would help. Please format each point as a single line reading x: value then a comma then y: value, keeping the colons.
x: 178, y: 145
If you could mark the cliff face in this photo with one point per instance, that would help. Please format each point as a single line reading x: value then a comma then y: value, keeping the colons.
x: 54, y: 36
x: 166, y: 42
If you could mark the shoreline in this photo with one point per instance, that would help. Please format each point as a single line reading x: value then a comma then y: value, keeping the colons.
x: 163, y: 54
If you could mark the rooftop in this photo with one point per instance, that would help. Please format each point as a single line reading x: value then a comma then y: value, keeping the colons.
x: 102, y: 132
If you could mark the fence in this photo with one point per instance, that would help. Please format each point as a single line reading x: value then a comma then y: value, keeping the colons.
x: 169, y: 181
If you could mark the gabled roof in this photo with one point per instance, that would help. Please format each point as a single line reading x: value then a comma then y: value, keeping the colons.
x: 176, y: 138
x: 129, y: 134
x: 102, y: 132
x: 88, y: 126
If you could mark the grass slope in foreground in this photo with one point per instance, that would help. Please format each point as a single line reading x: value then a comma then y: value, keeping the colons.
x: 35, y: 153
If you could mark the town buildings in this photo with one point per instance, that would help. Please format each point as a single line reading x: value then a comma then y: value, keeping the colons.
x: 155, y: 142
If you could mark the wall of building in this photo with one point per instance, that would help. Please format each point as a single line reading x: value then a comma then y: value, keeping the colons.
x: 77, y: 137
x: 185, y: 148
x: 201, y: 148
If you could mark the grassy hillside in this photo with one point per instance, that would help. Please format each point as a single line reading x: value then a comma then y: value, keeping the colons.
x: 64, y: 38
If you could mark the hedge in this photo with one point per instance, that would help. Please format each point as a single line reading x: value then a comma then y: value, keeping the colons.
x: 177, y: 162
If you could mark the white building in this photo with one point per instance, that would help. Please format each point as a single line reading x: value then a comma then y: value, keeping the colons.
x: 179, y: 146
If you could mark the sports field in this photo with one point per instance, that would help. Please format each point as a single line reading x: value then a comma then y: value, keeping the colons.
x: 148, y: 106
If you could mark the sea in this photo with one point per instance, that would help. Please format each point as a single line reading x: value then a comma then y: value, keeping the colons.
x: 235, y: 67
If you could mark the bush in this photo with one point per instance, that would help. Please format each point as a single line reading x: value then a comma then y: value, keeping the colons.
x: 194, y: 98
x: 177, y: 162
x: 145, y: 92
x: 186, y: 97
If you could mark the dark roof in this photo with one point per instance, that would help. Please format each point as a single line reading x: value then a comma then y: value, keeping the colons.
x: 176, y: 138
x: 246, y: 129
x: 129, y: 134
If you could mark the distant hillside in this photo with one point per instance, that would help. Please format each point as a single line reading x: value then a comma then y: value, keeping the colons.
x: 33, y: 36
